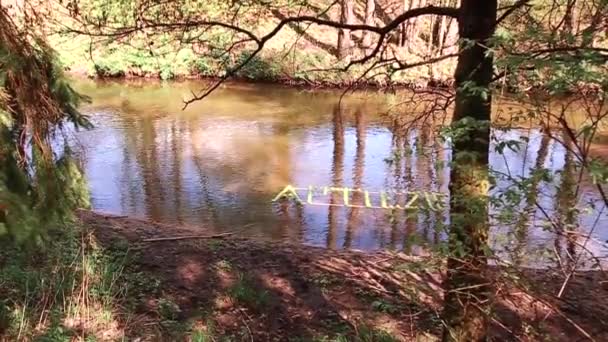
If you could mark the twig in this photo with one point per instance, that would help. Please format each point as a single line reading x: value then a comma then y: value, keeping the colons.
x: 557, y: 311
x: 500, y: 324
x: 245, y: 322
x: 561, y: 290
x: 188, y: 237
x: 559, y: 260
x: 116, y: 217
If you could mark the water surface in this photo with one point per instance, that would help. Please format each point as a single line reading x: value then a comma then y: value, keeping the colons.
x: 219, y: 163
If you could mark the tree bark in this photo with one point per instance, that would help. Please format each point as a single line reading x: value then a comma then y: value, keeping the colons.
x: 566, y: 200
x: 345, y: 41
x: 467, y: 290
x: 569, y: 17
x: 438, y: 34
x: 409, y: 30
x: 370, y: 8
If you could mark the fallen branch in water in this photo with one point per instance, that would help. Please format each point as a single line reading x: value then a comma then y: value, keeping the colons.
x: 188, y: 237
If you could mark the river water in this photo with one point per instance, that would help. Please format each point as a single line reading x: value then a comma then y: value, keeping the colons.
x: 219, y: 163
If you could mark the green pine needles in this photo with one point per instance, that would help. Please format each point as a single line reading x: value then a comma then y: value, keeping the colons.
x: 38, y: 189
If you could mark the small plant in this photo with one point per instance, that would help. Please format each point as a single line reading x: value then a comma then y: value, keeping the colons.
x: 325, y: 281
x: 214, y: 245
x: 204, y: 66
x: 365, y: 293
x: 168, y: 310
x: 337, y: 338
x: 383, y: 306
x: 204, y: 333
x: 223, y: 265
x: 244, y: 292
x: 199, y: 335
x: 257, y: 68
x: 364, y: 334
x: 416, y: 266
x: 369, y: 334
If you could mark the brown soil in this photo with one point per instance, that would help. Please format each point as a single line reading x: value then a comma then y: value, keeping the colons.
x: 263, y: 291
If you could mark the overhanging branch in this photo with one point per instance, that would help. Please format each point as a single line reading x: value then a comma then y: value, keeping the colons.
x: 381, y: 31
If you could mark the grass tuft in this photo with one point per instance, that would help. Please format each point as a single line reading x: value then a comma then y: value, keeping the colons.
x: 244, y: 292
x: 71, y: 288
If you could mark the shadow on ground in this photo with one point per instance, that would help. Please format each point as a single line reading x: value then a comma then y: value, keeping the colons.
x: 262, y: 291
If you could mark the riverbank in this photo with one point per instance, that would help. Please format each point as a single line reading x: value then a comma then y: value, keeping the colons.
x: 288, y: 82
x: 305, y: 66
x: 263, y: 291
x: 128, y: 278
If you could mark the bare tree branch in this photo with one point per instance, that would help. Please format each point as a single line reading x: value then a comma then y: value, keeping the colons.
x: 511, y: 9
x: 381, y: 31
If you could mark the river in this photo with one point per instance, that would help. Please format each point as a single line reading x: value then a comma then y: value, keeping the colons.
x: 219, y: 163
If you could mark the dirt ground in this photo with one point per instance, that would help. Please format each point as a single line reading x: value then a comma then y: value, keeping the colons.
x: 234, y: 289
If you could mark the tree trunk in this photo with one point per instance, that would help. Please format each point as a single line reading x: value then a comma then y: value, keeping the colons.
x: 345, y: 42
x: 433, y: 31
x: 569, y: 17
x: 438, y: 35
x: 467, y: 292
x: 370, y: 7
x: 409, y: 31
x: 449, y: 35
x: 566, y: 200
x: 404, y: 26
